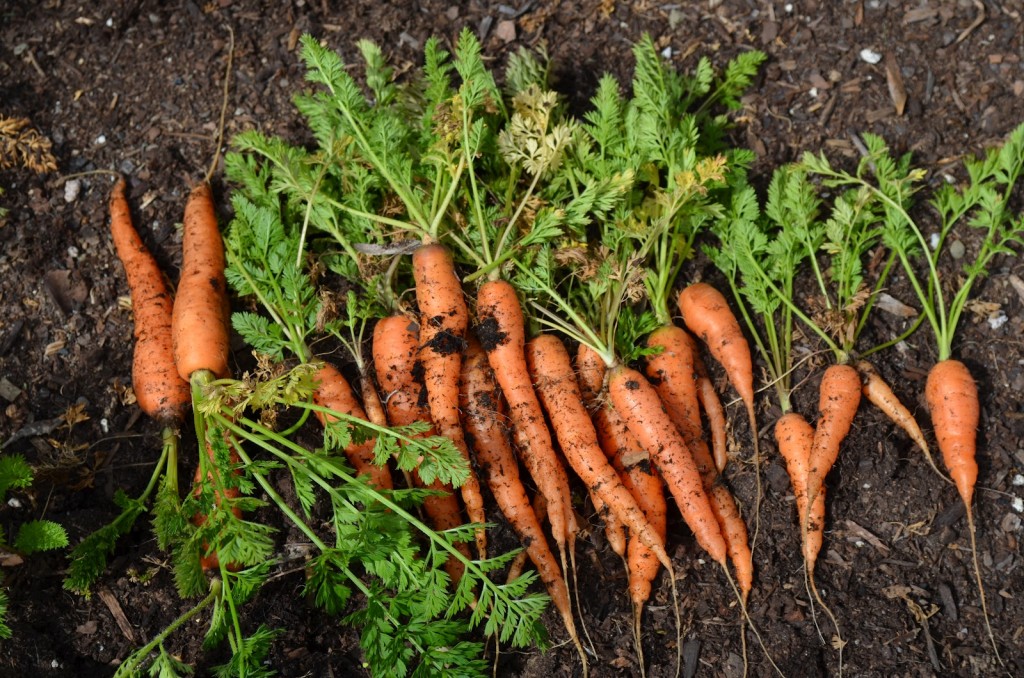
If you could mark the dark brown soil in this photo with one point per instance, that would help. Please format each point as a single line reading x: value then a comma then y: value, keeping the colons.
x: 135, y: 86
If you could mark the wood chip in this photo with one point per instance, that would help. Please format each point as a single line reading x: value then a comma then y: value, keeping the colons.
x: 894, y: 79
x: 115, y: 610
x: 893, y: 306
x: 861, y: 533
x: 1018, y: 286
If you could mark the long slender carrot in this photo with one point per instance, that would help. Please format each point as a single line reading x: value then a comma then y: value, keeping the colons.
x: 838, y: 400
x: 711, y: 404
x: 590, y: 370
x: 880, y: 394
x: 484, y: 428
x: 559, y: 393
x: 706, y: 312
x: 159, y: 390
x: 444, y: 319
x: 334, y: 392
x: 638, y: 404
x: 395, y: 349
x: 502, y: 333
x: 199, y: 321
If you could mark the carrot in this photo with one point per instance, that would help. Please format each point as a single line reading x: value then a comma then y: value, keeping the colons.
x: 334, y: 392
x: 881, y: 396
x: 199, y: 321
x: 502, y: 333
x: 590, y: 370
x: 550, y: 367
x: 540, y: 510
x: 443, y: 324
x: 711, y: 404
x: 160, y: 392
x: 395, y: 348
x: 638, y: 404
x: 484, y: 428
x: 707, y: 314
x: 794, y: 436
x: 838, y: 400
x: 672, y: 372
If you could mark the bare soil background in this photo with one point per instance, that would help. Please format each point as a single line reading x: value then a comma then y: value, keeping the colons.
x: 135, y: 86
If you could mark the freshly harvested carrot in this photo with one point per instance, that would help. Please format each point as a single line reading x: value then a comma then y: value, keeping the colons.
x: 673, y: 373
x: 502, y: 333
x: 484, y: 428
x: 711, y: 404
x: 838, y: 400
x: 794, y: 436
x: 160, y: 392
x: 395, y: 349
x: 706, y: 313
x: 551, y: 369
x: 952, y: 398
x: 638, y: 404
x: 540, y: 509
x: 444, y: 319
x: 590, y: 370
x: 334, y: 392
x: 878, y: 392
x: 199, y: 321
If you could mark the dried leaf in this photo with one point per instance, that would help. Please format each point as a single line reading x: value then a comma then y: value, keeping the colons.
x: 894, y: 79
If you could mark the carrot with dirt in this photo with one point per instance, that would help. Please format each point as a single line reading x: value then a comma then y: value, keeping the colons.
x: 159, y: 391
x: 480, y: 398
x: 712, y: 406
x: 638, y: 474
x: 983, y: 205
x: 399, y: 374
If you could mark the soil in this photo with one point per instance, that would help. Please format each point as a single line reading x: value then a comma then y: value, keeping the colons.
x: 135, y: 86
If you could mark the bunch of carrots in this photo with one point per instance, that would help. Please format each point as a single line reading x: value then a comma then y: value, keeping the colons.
x: 485, y: 239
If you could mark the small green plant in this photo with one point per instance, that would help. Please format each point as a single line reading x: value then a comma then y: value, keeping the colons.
x: 33, y: 536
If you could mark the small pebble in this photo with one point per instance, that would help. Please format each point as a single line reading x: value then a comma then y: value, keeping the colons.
x: 870, y: 56
x: 1018, y: 480
x: 788, y: 7
x: 666, y: 53
x: 71, y: 190
x: 998, y: 321
x: 933, y: 240
x: 105, y: 425
x: 13, y: 502
x: 100, y: 140
x: 1018, y: 504
x: 73, y: 252
x: 957, y: 249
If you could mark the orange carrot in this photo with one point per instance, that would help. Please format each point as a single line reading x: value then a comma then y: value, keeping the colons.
x: 838, y: 400
x: 480, y: 401
x: 638, y: 404
x: 199, y: 322
x: 707, y: 314
x: 551, y: 369
x: 711, y: 404
x: 590, y: 370
x: 881, y: 396
x: 502, y: 333
x: 160, y: 392
x: 334, y: 392
x: 395, y: 348
x: 794, y: 437
x: 443, y: 322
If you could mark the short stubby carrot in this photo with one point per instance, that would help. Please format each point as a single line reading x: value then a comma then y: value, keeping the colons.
x: 794, y: 436
x: 638, y: 404
x: 502, y: 334
x: 444, y: 319
x: 952, y: 397
x: 334, y: 392
x: 838, y: 400
x: 200, y: 318
x: 159, y: 390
